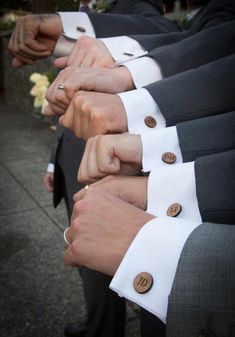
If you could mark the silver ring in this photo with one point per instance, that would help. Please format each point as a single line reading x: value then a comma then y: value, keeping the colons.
x: 86, y: 187
x: 65, y: 238
x: 81, y: 65
x: 61, y: 86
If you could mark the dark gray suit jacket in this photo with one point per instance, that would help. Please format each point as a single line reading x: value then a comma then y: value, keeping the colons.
x: 144, y: 19
x: 205, y: 136
x: 215, y: 13
x: 202, y: 299
x: 204, y: 91
x: 204, y: 47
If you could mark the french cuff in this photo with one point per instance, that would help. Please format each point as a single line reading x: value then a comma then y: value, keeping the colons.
x: 50, y: 168
x: 76, y: 24
x: 144, y: 71
x: 143, y: 114
x: 172, y: 192
x: 123, y: 48
x: 155, y: 250
x: 166, y: 149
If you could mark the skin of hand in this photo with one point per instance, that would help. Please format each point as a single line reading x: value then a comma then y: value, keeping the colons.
x: 111, y: 81
x: 34, y: 37
x: 88, y: 51
x: 49, y: 181
x: 102, y: 228
x: 93, y: 113
x: 130, y: 189
x: 110, y: 154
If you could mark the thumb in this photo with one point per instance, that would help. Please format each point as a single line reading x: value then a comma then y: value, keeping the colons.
x: 61, y: 62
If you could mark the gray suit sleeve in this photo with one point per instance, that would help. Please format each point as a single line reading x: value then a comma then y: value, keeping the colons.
x: 215, y: 186
x: 201, y: 92
x: 205, y: 136
x: 149, y: 22
x: 201, y: 48
x: 202, y: 299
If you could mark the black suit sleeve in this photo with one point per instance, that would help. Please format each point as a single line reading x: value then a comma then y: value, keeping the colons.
x: 201, y: 92
x: 215, y: 186
x: 201, y: 48
x: 205, y: 136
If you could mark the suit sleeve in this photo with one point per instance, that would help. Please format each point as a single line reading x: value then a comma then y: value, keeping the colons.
x: 149, y: 22
x: 135, y: 6
x: 205, y: 136
x: 204, y: 284
x: 201, y: 48
x: 201, y: 92
x: 215, y: 186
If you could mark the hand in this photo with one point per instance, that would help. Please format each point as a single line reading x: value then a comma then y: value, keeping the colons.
x: 102, y: 229
x: 110, y: 154
x: 130, y: 189
x: 34, y: 37
x: 88, y: 51
x: 113, y: 80
x: 49, y: 181
x: 92, y: 113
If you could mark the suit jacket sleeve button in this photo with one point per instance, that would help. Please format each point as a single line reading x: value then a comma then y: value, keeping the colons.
x: 174, y: 209
x: 143, y: 282
x: 150, y: 121
x: 169, y: 158
x: 81, y: 29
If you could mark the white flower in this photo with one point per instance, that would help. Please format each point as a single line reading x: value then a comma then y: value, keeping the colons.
x: 35, y: 77
x: 39, y: 89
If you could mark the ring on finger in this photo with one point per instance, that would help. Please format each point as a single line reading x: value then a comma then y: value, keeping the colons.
x: 65, y: 238
x: 61, y: 86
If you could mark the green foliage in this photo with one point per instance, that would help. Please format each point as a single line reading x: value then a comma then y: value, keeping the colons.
x: 6, y: 25
x: 16, y: 4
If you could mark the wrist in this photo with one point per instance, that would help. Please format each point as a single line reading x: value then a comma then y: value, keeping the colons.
x: 50, y: 25
x: 125, y: 79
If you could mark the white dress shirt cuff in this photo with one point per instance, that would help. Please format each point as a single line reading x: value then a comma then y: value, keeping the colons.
x: 123, y: 48
x: 76, y: 24
x: 170, y: 185
x: 144, y: 70
x: 156, y: 249
x: 162, y: 141
x: 140, y: 106
x: 50, y: 168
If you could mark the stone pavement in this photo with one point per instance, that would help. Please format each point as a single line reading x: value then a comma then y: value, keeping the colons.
x: 38, y: 294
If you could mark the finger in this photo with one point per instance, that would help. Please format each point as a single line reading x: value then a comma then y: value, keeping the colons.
x: 84, y: 175
x: 17, y: 63
x: 48, y: 111
x: 61, y: 62
x: 67, y: 119
x: 79, y: 195
x: 88, y: 60
x: 69, y: 257
x: 25, y: 43
x: 77, y: 55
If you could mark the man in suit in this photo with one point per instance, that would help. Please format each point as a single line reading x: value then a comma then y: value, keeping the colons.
x: 201, y: 288
x: 131, y: 31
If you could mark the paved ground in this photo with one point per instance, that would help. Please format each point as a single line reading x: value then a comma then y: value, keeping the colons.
x: 38, y: 294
